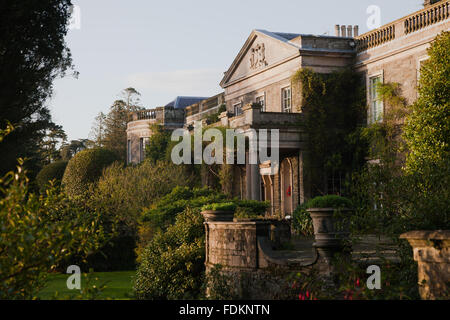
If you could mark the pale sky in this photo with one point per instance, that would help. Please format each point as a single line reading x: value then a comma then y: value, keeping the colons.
x: 177, y: 47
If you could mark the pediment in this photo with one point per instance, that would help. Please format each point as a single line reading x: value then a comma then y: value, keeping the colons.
x: 261, y: 51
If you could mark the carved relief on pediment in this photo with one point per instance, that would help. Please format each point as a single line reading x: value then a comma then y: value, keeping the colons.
x: 258, y: 56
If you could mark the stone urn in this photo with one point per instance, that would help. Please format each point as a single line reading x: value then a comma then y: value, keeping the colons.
x: 218, y: 215
x: 327, y: 231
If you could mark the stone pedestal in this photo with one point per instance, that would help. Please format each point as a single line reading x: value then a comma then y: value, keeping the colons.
x: 432, y: 253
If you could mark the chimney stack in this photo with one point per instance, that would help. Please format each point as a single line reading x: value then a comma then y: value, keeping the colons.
x: 337, y: 30
x: 349, y: 31
x: 346, y: 31
x: 343, y: 31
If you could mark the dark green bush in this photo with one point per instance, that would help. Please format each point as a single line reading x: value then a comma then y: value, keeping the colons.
x: 224, y: 206
x: 85, y: 168
x: 251, y: 209
x: 301, y: 219
x: 329, y: 201
x: 52, y: 171
x: 163, y: 213
x: 256, y: 207
x: 302, y: 222
x: 172, y: 264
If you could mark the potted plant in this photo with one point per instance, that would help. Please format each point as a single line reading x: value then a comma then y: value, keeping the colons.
x: 251, y: 210
x: 329, y: 215
x: 219, y: 211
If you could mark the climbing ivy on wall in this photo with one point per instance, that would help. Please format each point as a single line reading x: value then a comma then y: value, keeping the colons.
x: 334, y: 106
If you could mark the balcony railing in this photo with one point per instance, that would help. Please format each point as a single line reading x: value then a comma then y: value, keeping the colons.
x: 142, y: 115
x: 376, y: 38
x: 404, y: 26
x: 427, y: 17
x: 205, y: 105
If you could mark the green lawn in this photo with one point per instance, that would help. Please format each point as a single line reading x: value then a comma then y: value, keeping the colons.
x: 118, y: 285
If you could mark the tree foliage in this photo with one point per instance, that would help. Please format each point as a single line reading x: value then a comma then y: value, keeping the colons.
x: 109, y: 130
x: 427, y: 128
x: 49, y: 145
x: 69, y: 150
x: 37, y: 233
x: 157, y: 148
x: 97, y: 134
x: 33, y: 53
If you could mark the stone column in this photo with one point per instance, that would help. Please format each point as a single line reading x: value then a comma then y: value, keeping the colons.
x: 248, y: 178
x: 304, y: 177
x: 432, y: 253
x: 256, y: 182
x: 276, y: 192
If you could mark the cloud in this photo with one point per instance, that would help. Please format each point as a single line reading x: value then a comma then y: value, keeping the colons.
x: 197, y: 82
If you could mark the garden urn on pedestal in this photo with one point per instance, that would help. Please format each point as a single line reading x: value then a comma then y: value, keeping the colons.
x: 219, y: 212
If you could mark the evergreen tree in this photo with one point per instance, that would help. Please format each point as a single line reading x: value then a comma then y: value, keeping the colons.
x: 98, y: 130
x: 115, y: 122
x: 49, y: 145
x: 33, y: 53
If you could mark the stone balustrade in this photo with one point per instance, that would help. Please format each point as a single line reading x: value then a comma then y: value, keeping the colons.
x: 253, y: 116
x: 426, y: 17
x: 204, y: 108
x: 376, y: 37
x: 143, y: 115
x: 412, y: 23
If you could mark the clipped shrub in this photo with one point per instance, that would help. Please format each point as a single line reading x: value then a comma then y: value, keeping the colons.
x: 52, y: 171
x: 301, y: 219
x: 172, y: 264
x: 85, y: 168
x: 329, y: 201
x: 164, y: 211
x: 251, y: 209
x: 224, y: 206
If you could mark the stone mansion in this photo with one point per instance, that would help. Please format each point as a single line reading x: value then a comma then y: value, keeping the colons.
x: 262, y: 73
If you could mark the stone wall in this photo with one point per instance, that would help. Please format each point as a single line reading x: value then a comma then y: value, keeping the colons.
x: 243, y: 250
